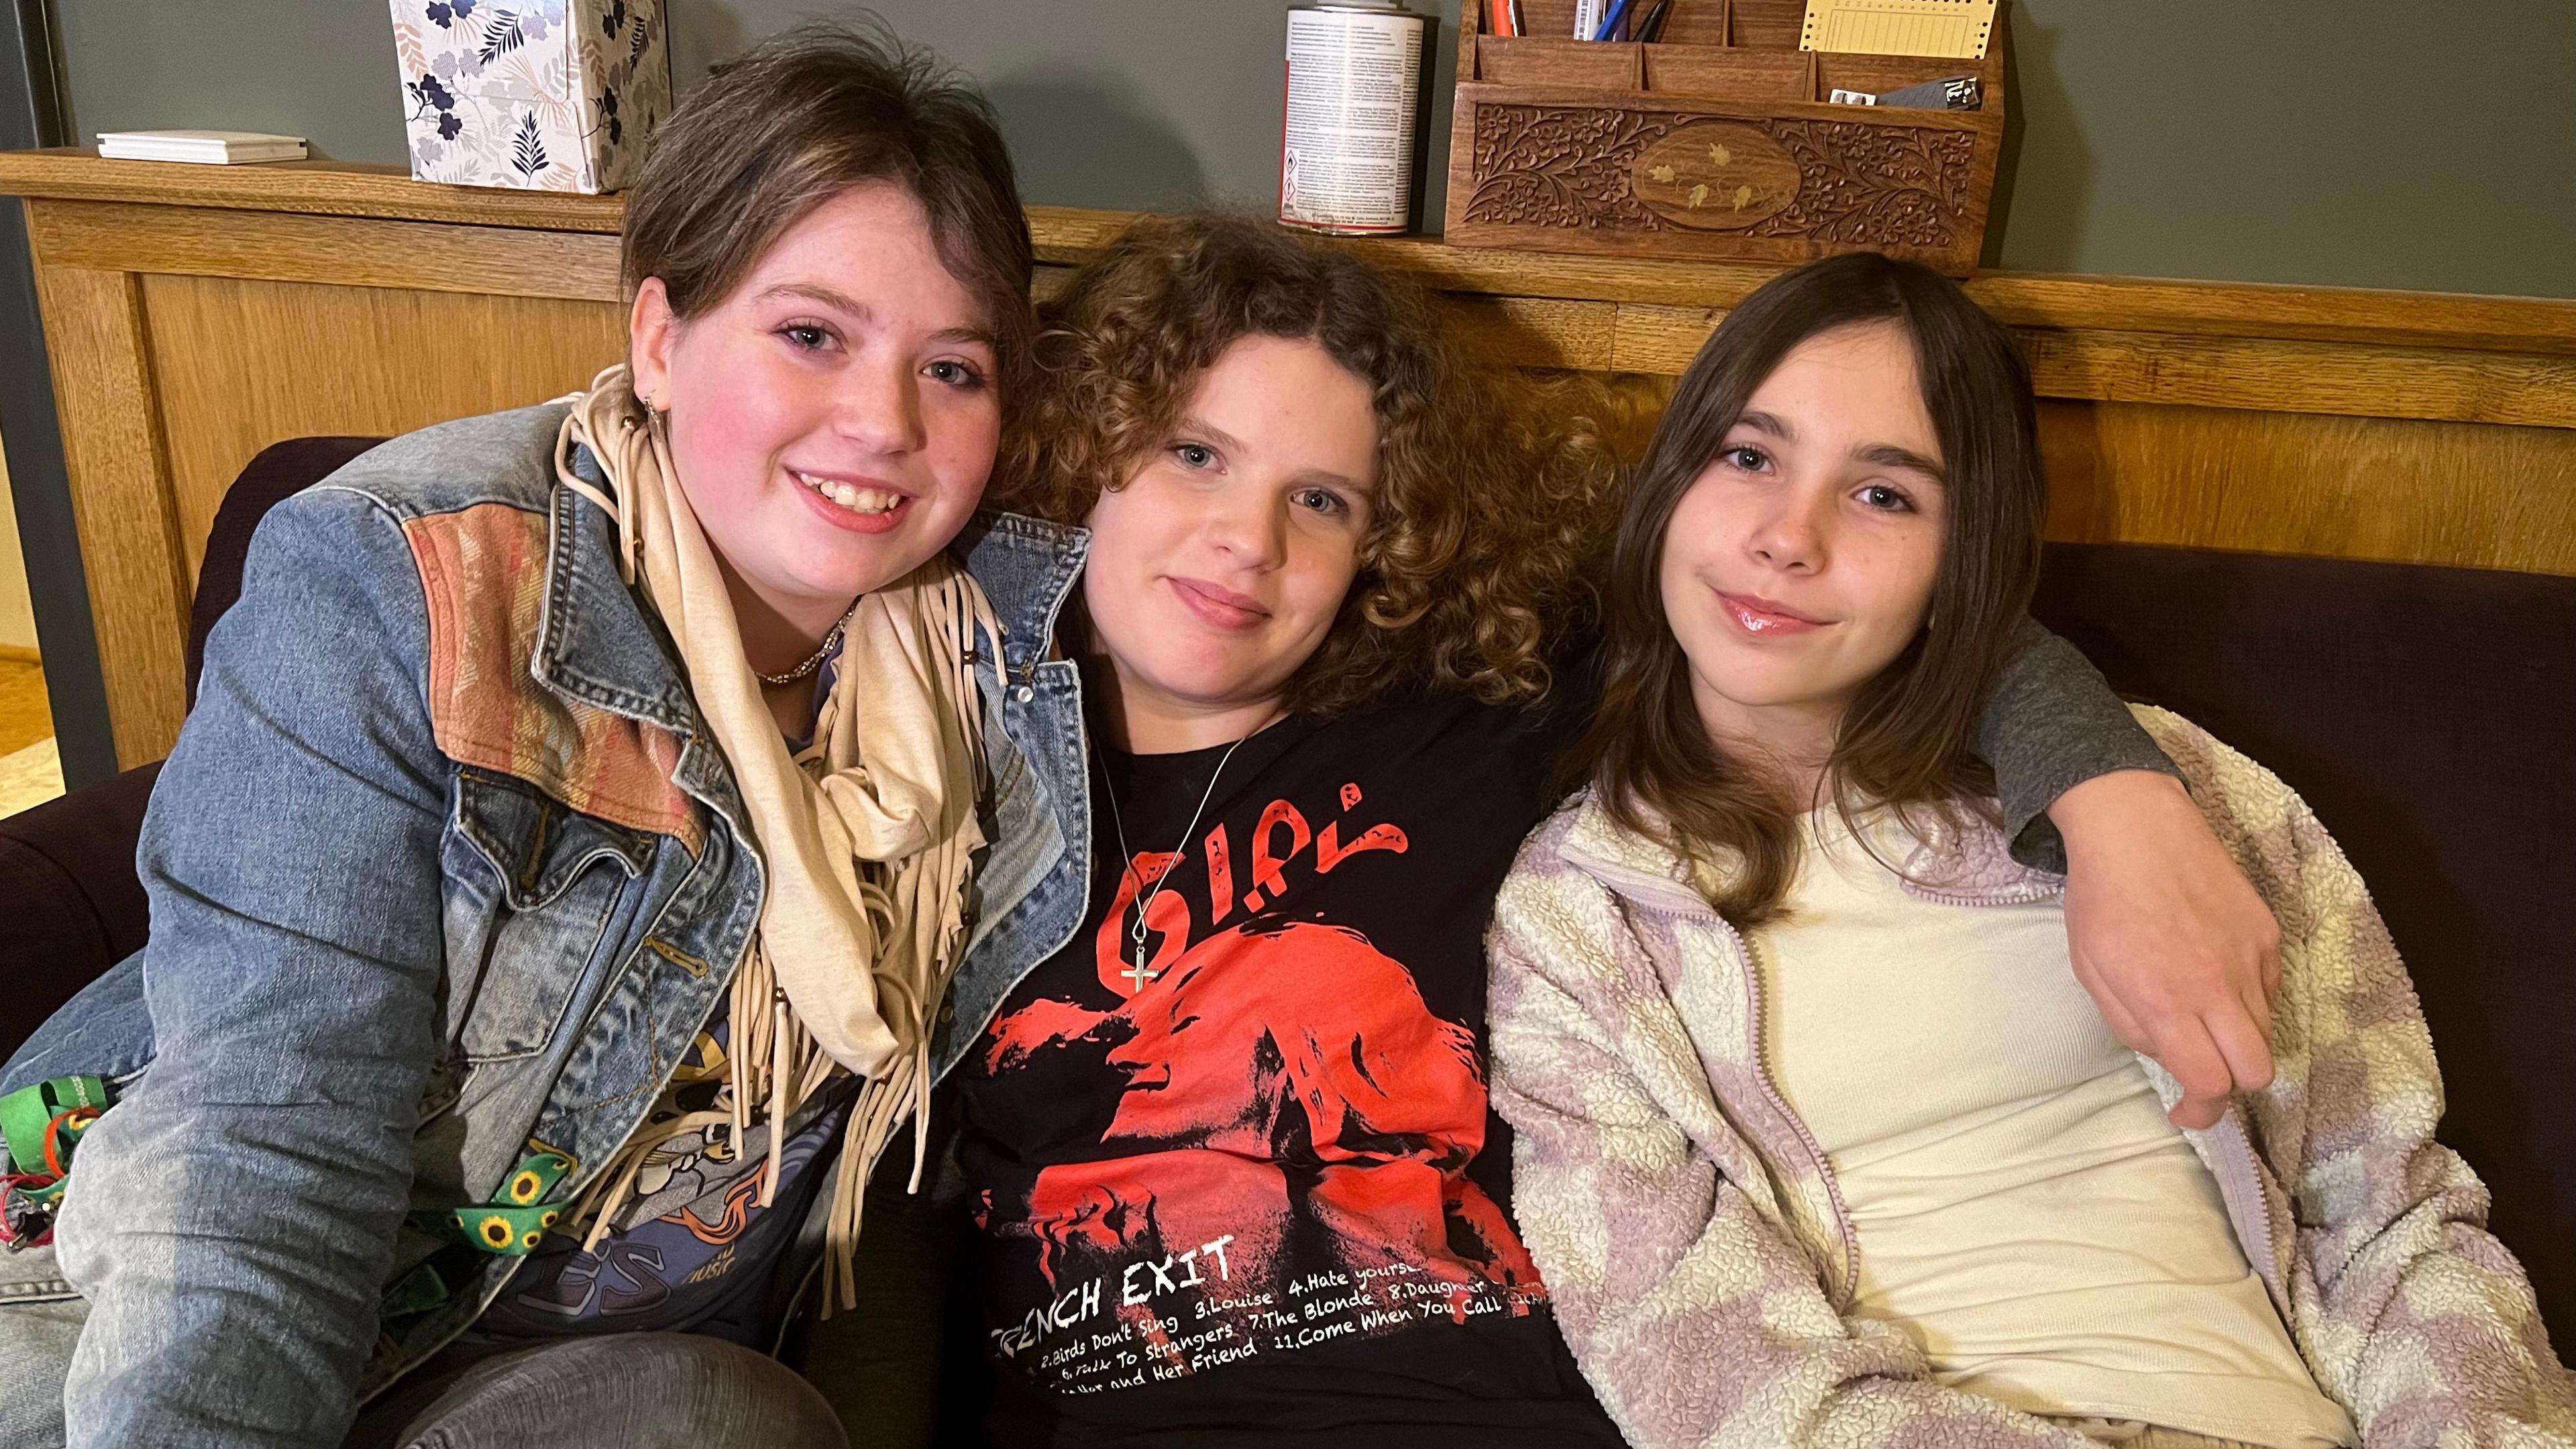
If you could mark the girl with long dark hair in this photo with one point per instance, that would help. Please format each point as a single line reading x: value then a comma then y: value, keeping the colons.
x: 1818, y: 1141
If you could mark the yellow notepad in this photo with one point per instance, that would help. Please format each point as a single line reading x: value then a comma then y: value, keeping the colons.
x: 1959, y: 28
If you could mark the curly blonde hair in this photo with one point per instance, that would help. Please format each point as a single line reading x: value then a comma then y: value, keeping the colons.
x: 1485, y: 513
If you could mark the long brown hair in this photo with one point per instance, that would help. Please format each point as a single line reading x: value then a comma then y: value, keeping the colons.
x: 1473, y: 562
x: 802, y: 117
x: 1906, y: 741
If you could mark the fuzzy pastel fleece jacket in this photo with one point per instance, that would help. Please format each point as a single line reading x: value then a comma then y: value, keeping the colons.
x: 1692, y: 1238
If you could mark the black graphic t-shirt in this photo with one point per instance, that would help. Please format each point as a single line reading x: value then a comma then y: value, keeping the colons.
x: 1246, y: 1176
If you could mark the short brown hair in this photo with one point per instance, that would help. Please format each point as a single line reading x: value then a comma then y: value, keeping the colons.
x: 1906, y: 740
x: 797, y: 120
x: 1472, y: 566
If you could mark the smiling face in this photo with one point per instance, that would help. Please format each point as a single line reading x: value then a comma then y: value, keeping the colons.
x: 1218, y: 568
x: 833, y: 419
x: 1801, y: 561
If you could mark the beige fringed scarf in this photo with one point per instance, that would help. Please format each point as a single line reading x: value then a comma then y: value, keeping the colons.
x: 866, y: 835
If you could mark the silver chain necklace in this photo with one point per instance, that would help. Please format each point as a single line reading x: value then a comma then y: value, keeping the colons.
x: 821, y: 652
x: 1137, y: 973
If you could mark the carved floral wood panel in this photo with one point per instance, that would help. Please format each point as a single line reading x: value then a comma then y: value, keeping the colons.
x: 1597, y: 168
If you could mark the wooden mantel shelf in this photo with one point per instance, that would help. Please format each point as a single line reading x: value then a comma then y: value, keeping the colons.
x: 1066, y: 235
x: 317, y: 188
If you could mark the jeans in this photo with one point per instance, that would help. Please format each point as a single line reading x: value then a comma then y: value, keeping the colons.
x: 613, y: 1391
x: 36, y: 1342
x: 632, y: 1391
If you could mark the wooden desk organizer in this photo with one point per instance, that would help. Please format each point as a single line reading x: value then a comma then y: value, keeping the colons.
x: 1714, y: 142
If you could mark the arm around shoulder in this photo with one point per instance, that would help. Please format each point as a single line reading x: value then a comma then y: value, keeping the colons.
x: 2164, y: 933
x: 2052, y: 723
x: 232, y: 1219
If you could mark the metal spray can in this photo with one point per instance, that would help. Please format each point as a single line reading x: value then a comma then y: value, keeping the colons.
x: 1353, y: 106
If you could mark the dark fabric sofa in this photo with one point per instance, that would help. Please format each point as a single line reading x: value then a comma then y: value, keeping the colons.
x: 2427, y: 714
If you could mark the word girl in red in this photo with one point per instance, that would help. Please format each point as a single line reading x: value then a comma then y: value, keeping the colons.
x: 1287, y: 1103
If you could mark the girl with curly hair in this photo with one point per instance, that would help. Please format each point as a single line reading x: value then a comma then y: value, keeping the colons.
x: 1227, y: 1151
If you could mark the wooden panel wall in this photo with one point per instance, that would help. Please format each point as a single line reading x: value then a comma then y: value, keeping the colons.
x: 2398, y: 489
x: 197, y: 315
x: 244, y: 363
x: 186, y: 339
x: 118, y: 462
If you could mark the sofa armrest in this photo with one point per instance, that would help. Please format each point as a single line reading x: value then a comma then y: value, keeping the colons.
x: 71, y: 904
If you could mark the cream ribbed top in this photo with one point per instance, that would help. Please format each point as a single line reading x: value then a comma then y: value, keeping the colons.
x: 2025, y: 1211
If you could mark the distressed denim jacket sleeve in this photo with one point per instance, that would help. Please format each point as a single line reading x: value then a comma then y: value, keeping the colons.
x: 232, y: 1220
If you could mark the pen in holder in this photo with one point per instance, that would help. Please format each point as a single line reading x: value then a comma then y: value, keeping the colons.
x: 1713, y: 139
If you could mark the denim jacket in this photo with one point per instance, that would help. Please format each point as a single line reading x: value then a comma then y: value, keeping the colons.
x: 444, y: 861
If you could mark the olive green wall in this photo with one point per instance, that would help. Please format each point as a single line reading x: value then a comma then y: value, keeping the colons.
x: 2386, y: 143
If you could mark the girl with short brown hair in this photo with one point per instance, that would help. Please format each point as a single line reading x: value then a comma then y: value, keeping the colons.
x: 556, y: 884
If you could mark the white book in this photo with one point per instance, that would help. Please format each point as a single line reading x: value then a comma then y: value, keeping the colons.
x: 210, y: 148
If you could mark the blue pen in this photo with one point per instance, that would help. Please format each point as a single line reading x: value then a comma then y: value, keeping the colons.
x: 1610, y: 22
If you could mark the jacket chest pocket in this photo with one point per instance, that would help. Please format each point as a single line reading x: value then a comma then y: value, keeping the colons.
x: 557, y: 880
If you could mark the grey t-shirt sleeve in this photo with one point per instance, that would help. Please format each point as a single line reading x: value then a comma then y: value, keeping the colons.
x: 2051, y: 724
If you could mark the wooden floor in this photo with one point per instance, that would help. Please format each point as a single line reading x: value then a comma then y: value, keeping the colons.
x: 26, y: 716
x: 30, y: 772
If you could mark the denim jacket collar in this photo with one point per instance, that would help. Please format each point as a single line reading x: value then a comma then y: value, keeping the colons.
x: 596, y: 641
x: 1027, y: 567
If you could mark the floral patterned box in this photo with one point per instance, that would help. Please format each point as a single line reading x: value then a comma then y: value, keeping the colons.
x: 549, y: 95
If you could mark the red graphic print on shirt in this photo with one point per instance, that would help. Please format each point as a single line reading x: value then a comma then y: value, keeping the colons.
x: 1285, y: 1162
